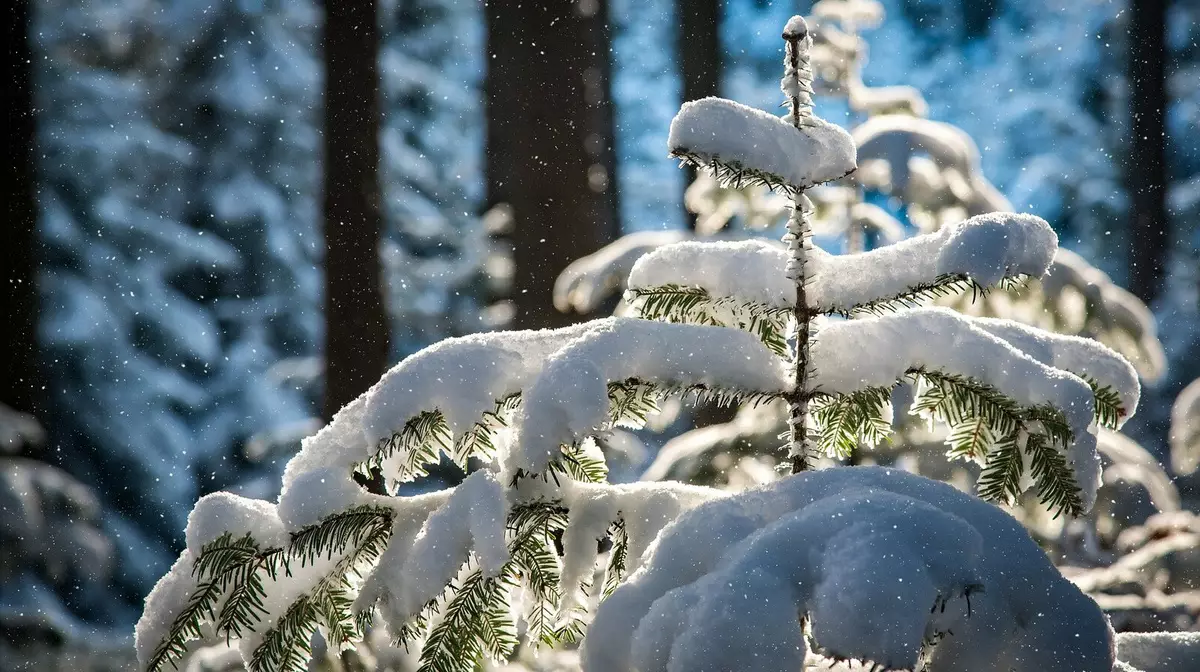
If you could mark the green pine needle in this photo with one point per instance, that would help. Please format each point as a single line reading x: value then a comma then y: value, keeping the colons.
x: 845, y: 421
x: 949, y: 284
x: 1001, y: 477
x: 618, y: 558
x: 694, y: 305
x: 1109, y: 409
x: 971, y: 440
x: 1056, y: 483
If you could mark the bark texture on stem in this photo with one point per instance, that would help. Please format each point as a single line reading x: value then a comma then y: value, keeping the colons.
x: 797, y: 85
x: 797, y: 240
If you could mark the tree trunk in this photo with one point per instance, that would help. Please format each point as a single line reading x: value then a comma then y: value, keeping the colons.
x: 550, y: 140
x: 18, y: 294
x: 977, y: 16
x: 699, y: 54
x: 356, y: 329
x: 1146, y: 167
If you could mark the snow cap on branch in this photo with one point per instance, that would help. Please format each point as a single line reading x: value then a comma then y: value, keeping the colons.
x: 1083, y: 357
x: 737, y: 139
x: 221, y: 512
x: 747, y: 270
x: 338, y: 444
x: 312, y: 496
x: 472, y: 519
x: 984, y: 249
x: 162, y: 605
x: 463, y: 378
x: 878, y: 351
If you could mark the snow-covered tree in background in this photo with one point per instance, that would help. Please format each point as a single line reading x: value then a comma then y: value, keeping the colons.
x: 177, y: 176
x: 431, y: 156
x: 179, y: 169
x: 462, y: 571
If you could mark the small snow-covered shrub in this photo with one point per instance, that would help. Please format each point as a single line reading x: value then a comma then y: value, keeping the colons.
x: 516, y: 549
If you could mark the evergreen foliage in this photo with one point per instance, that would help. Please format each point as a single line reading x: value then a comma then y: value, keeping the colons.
x: 445, y: 567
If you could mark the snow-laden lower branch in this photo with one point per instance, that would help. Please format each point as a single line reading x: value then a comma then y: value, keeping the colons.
x: 722, y: 587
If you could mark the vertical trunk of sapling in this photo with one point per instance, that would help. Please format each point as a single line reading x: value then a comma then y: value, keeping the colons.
x: 797, y: 86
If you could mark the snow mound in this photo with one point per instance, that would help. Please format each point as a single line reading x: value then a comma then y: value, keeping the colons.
x: 221, y: 512
x: 1082, y: 356
x: 461, y: 377
x: 879, y: 560
x: 472, y: 519
x: 716, y: 130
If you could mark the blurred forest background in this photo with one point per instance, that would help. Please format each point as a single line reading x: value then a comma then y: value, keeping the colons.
x: 226, y: 218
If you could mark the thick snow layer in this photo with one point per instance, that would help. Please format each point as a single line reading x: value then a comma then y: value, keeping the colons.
x: 716, y: 129
x: 796, y: 27
x: 388, y: 578
x: 1083, y: 357
x: 471, y: 520
x: 569, y: 399
x: 986, y: 248
x: 336, y: 445
x: 750, y: 270
x: 645, y: 508
x: 1159, y: 651
x: 463, y: 378
x: 312, y: 496
x: 221, y: 512
x: 163, y: 603
x: 886, y: 560
x: 854, y: 354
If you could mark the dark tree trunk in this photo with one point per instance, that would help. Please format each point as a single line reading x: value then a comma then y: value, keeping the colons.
x: 977, y: 16
x: 18, y: 272
x: 356, y: 329
x: 550, y: 140
x: 699, y: 53
x: 1146, y: 166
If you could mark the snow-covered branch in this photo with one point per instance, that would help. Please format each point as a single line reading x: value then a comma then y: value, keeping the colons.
x: 975, y: 254
x: 722, y: 587
x: 570, y: 399
x: 742, y: 145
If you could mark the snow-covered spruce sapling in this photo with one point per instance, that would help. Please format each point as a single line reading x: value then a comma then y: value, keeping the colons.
x: 461, y: 572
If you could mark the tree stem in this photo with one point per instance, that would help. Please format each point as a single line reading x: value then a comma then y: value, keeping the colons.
x: 797, y: 235
x: 799, y: 92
